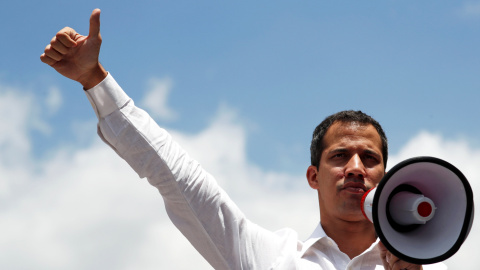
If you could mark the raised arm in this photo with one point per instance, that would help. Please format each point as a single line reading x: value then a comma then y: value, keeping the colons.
x: 76, y: 56
x: 199, y: 208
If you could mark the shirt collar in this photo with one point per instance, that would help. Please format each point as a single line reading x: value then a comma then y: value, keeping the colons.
x: 319, y: 234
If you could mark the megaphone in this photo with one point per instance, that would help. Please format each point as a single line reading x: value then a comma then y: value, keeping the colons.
x: 422, y: 210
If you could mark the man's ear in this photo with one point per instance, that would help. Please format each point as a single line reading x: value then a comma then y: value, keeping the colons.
x: 312, y: 173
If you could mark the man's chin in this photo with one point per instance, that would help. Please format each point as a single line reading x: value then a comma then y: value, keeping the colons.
x: 353, y: 210
x: 356, y: 217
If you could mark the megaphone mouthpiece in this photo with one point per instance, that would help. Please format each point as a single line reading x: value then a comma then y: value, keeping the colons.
x: 407, y: 208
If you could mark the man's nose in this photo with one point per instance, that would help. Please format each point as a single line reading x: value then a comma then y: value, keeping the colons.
x: 355, y: 167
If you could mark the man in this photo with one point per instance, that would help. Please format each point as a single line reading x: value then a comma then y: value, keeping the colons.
x: 349, y: 154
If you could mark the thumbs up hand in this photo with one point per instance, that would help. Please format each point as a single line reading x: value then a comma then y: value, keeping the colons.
x: 76, y: 56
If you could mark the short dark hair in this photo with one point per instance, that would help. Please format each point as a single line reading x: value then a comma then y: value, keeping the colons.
x: 350, y: 116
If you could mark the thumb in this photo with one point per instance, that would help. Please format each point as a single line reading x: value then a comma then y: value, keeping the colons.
x: 382, y: 248
x: 383, y: 255
x: 94, y: 30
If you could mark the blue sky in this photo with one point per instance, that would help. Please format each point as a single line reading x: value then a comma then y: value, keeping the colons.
x: 411, y: 65
x: 266, y: 73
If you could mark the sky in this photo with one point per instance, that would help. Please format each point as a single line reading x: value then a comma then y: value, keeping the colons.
x: 241, y: 86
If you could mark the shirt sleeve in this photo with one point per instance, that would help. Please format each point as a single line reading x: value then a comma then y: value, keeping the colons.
x: 197, y: 206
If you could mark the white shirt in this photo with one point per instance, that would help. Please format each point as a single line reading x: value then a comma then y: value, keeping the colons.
x: 198, y: 207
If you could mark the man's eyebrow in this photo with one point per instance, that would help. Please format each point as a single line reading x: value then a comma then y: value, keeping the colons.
x: 345, y: 150
x: 338, y: 150
x: 371, y: 152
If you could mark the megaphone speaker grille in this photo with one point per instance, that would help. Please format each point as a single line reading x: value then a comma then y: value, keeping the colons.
x: 440, y: 237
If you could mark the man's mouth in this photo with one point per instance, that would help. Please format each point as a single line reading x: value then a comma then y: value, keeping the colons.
x: 355, y: 187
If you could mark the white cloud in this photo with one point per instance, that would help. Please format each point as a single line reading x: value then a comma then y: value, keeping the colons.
x: 87, y: 203
x: 53, y: 100
x: 155, y: 100
x: 221, y: 149
x: 86, y: 209
x: 14, y: 116
x: 19, y: 114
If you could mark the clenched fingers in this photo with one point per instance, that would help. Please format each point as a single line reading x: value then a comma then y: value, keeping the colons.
x: 60, y: 45
x: 50, y: 55
x: 67, y: 37
x: 394, y: 263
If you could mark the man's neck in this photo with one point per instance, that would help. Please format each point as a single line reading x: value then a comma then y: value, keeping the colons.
x: 352, y: 237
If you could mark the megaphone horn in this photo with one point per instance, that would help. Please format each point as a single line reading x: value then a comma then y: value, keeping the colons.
x: 422, y: 210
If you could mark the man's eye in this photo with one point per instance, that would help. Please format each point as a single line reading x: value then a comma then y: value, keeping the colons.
x: 372, y: 158
x: 339, y: 155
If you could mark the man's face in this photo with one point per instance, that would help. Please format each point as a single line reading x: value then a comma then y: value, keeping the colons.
x: 351, y: 163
